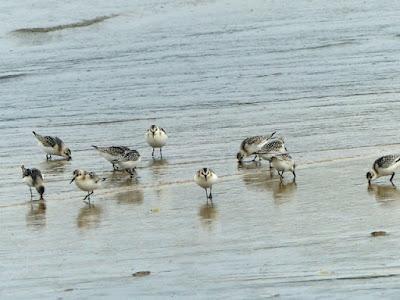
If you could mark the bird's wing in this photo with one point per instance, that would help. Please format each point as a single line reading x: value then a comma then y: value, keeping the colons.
x: 36, y: 175
x: 48, y: 141
x: 131, y: 155
x: 113, y: 150
x: 387, y: 160
x: 94, y: 177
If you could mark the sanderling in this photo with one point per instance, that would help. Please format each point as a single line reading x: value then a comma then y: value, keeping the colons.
x: 112, y: 153
x: 33, y: 178
x: 251, y: 145
x: 283, y: 163
x: 87, y: 181
x: 129, y: 161
x: 53, y: 146
x: 384, y: 166
x: 205, y: 178
x: 274, y: 146
x: 156, y: 137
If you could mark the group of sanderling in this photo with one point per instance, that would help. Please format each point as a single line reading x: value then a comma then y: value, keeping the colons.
x: 121, y: 157
x: 270, y: 148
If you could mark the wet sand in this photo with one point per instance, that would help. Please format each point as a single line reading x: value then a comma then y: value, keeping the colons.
x: 211, y: 73
x: 262, y: 238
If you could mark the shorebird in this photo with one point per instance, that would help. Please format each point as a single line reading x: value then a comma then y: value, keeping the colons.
x: 384, y: 166
x: 156, y: 137
x: 33, y: 178
x: 283, y: 163
x: 252, y: 145
x: 112, y: 153
x: 205, y: 178
x: 129, y: 161
x: 87, y: 181
x: 272, y: 147
x: 53, y: 146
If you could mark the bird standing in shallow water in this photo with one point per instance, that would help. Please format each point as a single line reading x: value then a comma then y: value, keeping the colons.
x: 156, y: 137
x: 87, y: 181
x: 205, y: 178
x: 252, y: 145
x: 384, y: 166
x: 284, y: 163
x: 52, y: 146
x: 33, y: 178
x: 112, y: 153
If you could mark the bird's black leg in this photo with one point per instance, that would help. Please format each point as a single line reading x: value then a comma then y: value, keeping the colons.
x: 114, y: 167
x: 294, y: 175
x: 255, y: 157
x: 88, y: 197
x: 206, y: 195
x: 161, y: 152
x: 30, y: 189
x: 132, y: 172
x: 391, y: 178
x: 281, y: 174
x: 152, y: 153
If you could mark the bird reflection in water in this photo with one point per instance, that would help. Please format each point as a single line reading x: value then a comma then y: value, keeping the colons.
x: 266, y: 181
x: 159, y: 167
x: 130, y: 197
x: 208, y: 214
x: 158, y: 163
x: 36, y: 216
x: 89, y: 216
x: 249, y: 165
x: 120, y: 179
x: 283, y: 191
x: 384, y: 193
x: 54, y: 166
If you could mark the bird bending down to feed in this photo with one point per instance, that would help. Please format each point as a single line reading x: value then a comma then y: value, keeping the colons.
x: 252, y: 145
x: 273, y: 146
x: 111, y: 153
x: 52, y: 146
x: 33, y: 178
x: 129, y: 161
x: 384, y: 166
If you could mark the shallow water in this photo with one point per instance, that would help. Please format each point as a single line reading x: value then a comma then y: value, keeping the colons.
x: 324, y: 75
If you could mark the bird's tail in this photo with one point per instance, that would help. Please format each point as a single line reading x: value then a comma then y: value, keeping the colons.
x: 271, y: 135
